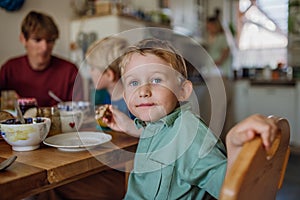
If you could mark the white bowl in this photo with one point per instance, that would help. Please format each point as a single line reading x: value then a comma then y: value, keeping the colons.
x: 26, y: 137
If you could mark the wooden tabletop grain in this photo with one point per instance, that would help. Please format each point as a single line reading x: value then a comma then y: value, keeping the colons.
x: 47, y: 167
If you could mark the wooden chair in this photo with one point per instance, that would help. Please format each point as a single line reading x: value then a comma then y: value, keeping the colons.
x: 257, y: 173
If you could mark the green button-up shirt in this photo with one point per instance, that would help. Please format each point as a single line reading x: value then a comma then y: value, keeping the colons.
x: 177, y: 158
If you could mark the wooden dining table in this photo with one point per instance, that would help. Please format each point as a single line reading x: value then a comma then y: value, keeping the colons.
x: 47, y: 167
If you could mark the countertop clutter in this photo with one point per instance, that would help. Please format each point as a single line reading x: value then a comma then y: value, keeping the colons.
x: 280, y: 73
x: 98, y: 8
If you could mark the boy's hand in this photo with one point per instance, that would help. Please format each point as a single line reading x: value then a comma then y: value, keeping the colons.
x: 246, y: 130
x: 117, y: 119
x: 121, y: 122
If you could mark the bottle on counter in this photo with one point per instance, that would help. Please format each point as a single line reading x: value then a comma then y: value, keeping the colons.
x: 289, y: 73
x: 267, y: 73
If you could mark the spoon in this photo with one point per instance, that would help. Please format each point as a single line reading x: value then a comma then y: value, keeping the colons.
x: 6, y: 163
x: 56, y: 98
x: 19, y: 113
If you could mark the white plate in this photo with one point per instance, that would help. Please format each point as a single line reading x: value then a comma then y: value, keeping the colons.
x: 77, y: 141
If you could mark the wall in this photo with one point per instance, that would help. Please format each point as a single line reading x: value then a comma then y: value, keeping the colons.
x: 10, y: 22
x: 213, y: 4
x: 146, y: 5
x: 62, y: 13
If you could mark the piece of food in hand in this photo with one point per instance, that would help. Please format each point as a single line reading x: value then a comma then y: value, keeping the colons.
x: 103, y: 112
x: 4, y: 115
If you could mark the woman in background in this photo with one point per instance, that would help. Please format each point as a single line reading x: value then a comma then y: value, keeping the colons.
x: 217, y: 45
x: 218, y: 48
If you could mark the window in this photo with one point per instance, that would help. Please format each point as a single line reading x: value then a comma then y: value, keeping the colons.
x: 264, y: 24
x: 262, y: 33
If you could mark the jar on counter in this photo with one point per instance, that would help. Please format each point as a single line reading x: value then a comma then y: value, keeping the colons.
x: 26, y: 103
x: 54, y: 114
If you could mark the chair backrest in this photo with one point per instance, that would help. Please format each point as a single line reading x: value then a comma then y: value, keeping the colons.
x: 257, y: 173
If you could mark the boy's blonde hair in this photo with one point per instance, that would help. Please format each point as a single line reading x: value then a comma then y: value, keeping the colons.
x: 160, y: 48
x: 106, y: 54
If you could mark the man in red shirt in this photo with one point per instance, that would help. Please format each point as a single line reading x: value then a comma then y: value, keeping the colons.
x: 37, y: 72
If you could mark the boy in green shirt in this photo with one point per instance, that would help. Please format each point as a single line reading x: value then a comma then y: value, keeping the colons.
x: 178, y: 157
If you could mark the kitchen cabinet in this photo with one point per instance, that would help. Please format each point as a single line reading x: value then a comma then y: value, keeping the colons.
x: 103, y: 26
x: 275, y: 100
x: 269, y: 99
x: 240, y: 100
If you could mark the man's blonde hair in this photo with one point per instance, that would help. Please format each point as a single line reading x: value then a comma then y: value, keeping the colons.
x: 160, y: 48
x: 106, y: 54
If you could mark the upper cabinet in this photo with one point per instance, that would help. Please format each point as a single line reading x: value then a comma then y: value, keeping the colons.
x: 84, y: 31
x: 185, y: 17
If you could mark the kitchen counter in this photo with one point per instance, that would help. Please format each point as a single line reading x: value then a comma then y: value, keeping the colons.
x: 278, y: 82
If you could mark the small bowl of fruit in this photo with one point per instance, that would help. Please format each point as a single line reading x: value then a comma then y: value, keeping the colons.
x: 27, y: 136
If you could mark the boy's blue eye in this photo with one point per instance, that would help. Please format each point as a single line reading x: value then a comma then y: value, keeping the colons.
x: 133, y: 83
x: 156, y: 81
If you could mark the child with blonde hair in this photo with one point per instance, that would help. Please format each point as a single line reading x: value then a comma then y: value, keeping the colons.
x: 178, y: 157
x: 104, y: 57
